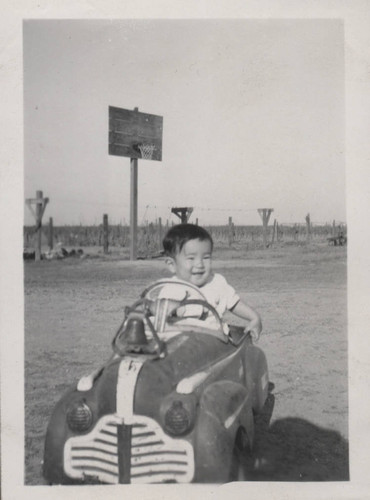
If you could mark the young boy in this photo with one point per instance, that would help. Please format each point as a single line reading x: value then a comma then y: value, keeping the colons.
x: 188, y: 252
x: 188, y: 249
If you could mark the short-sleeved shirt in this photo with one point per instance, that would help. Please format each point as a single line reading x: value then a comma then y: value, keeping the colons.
x: 220, y: 294
x: 217, y: 291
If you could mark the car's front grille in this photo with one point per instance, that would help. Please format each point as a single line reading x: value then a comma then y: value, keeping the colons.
x: 155, y: 457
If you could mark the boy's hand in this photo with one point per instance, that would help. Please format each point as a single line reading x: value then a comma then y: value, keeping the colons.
x: 255, y: 329
x: 246, y: 312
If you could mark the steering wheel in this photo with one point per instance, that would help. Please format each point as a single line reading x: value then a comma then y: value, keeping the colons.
x: 163, y: 308
x: 161, y: 283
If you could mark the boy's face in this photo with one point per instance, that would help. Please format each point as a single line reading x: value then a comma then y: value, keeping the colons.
x: 194, y: 263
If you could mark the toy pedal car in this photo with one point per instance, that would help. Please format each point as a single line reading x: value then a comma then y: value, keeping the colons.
x: 175, y: 403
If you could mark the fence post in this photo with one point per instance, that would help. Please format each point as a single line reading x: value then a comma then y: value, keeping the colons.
x: 105, y: 233
x: 308, y: 227
x: 295, y: 229
x: 160, y: 231
x: 230, y: 232
x: 40, y: 203
x: 51, y: 234
x: 273, y: 233
x: 183, y: 213
x: 265, y: 216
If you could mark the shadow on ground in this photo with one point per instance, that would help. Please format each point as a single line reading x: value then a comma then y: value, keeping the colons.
x: 293, y: 449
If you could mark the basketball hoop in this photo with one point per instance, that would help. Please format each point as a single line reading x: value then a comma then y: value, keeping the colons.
x: 146, y: 151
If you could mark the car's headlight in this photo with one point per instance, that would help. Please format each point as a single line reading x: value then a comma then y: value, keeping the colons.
x: 178, y: 416
x: 79, y: 417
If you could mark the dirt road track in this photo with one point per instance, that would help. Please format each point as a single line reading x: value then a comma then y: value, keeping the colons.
x: 73, y: 307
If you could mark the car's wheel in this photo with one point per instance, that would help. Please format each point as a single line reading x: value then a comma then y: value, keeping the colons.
x: 239, y: 459
x: 263, y: 418
x: 237, y: 472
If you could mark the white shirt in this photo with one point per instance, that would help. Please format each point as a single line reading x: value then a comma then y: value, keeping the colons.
x: 217, y: 292
x: 220, y: 294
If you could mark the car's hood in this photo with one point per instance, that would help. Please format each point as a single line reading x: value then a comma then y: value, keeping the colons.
x: 153, y: 379
x: 188, y: 353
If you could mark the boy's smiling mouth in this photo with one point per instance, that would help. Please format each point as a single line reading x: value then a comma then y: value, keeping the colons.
x: 198, y: 277
x: 198, y: 274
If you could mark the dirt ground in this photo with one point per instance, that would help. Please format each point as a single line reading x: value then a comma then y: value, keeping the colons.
x: 73, y: 307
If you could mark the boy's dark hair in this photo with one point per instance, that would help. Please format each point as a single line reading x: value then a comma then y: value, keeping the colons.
x: 180, y: 234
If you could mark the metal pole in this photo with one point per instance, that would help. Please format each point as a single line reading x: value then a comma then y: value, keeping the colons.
x: 133, y: 210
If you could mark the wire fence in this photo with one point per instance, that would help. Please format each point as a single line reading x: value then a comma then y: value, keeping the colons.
x: 150, y: 235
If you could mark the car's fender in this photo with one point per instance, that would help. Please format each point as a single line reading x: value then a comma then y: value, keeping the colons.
x: 224, y: 407
x: 101, y: 399
x: 53, y: 466
x: 256, y: 375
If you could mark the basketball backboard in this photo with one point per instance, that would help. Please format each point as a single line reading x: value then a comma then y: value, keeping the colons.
x: 135, y: 134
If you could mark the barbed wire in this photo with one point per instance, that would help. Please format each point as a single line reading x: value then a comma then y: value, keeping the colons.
x: 169, y: 207
x: 197, y: 208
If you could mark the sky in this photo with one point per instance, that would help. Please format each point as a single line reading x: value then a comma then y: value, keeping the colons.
x: 253, y: 117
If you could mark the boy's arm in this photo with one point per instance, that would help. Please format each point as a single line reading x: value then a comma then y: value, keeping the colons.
x: 246, y: 312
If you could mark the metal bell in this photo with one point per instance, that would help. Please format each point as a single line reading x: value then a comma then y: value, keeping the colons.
x: 135, y: 332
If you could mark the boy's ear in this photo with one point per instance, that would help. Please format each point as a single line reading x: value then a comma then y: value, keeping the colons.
x: 170, y: 263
